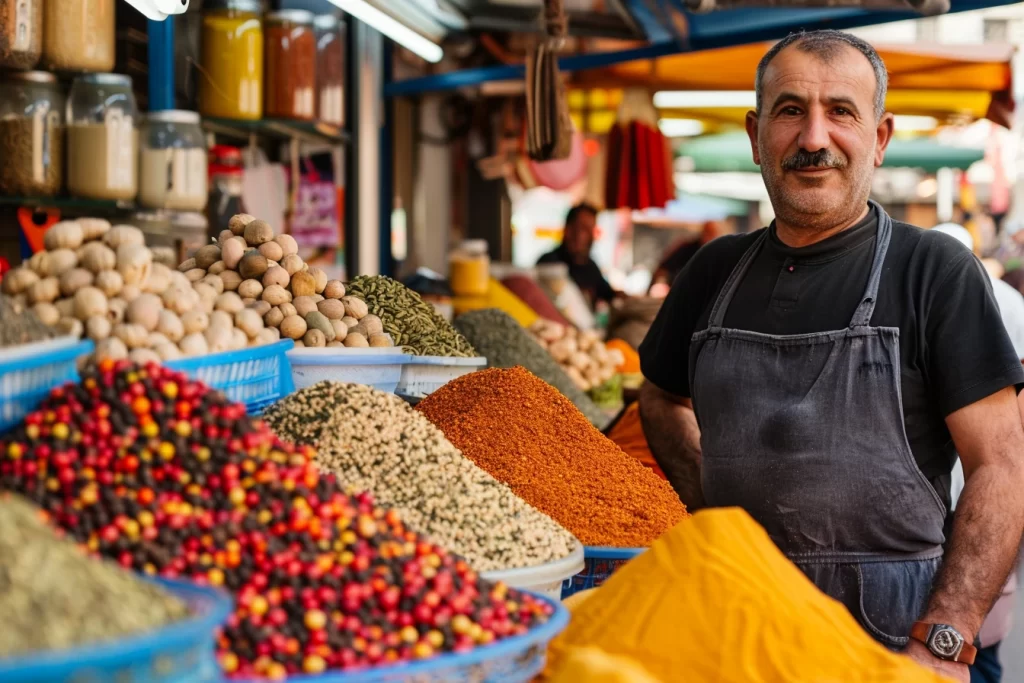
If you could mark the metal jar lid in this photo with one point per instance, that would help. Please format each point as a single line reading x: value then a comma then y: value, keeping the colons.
x: 105, y: 79
x: 326, y: 22
x: 253, y: 6
x: 173, y: 116
x: 290, y: 16
x: 30, y: 77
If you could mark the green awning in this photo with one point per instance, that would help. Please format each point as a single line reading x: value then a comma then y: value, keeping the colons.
x: 730, y: 152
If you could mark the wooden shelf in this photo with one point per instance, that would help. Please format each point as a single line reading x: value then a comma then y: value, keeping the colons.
x: 308, y: 131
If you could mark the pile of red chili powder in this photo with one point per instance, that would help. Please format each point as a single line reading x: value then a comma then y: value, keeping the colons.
x: 167, y: 477
x: 526, y: 434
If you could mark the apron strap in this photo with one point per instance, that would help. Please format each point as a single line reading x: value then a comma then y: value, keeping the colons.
x: 733, y: 283
x: 862, y: 316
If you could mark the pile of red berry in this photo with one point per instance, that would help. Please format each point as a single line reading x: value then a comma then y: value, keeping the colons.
x: 166, y: 476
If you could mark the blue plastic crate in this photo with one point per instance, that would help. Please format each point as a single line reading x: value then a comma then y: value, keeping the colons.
x: 183, y: 652
x: 27, y: 374
x: 513, y: 660
x: 257, y: 376
x: 598, y: 564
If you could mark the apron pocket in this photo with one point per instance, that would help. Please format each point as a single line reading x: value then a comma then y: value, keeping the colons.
x: 893, y: 595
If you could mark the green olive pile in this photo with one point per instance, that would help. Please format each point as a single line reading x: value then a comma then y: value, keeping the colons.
x: 164, y: 475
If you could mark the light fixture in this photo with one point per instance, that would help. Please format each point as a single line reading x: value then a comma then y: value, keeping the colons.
x: 680, y: 128
x: 695, y: 99
x: 392, y: 28
x: 159, y: 10
x: 906, y: 123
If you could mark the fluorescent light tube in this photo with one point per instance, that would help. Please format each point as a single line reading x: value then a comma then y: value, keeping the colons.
x: 392, y: 28
x: 700, y: 99
x: 680, y: 128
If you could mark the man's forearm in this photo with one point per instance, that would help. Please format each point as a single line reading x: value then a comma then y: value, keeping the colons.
x: 982, y: 550
x: 674, y: 439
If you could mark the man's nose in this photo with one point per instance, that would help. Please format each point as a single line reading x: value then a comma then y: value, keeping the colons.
x: 814, y: 134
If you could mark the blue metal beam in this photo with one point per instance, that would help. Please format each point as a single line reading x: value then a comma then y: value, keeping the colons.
x: 161, y: 64
x: 706, y: 32
x: 648, y: 20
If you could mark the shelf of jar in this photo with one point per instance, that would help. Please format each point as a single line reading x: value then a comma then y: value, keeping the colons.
x: 309, y: 131
x: 65, y: 202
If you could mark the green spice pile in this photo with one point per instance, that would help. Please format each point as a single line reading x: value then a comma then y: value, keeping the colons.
x: 411, y: 321
x: 163, y: 474
x: 18, y: 325
x: 376, y: 442
x: 507, y: 344
x: 53, y: 596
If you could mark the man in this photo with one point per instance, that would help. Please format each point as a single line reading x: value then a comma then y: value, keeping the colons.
x: 574, y: 251
x: 673, y: 264
x: 823, y: 373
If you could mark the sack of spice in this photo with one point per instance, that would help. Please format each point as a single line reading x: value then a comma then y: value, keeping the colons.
x: 714, y: 600
x: 527, y: 435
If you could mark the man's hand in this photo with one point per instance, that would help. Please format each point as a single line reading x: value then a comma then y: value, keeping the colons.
x: 917, y: 651
x: 674, y: 438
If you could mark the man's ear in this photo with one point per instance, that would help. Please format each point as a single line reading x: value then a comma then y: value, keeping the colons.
x: 883, y: 136
x: 751, y: 123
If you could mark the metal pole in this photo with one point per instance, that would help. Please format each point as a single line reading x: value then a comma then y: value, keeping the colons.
x: 353, y: 63
x: 386, y: 162
x: 161, y: 64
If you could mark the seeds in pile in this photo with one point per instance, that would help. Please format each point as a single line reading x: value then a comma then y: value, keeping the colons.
x: 19, y: 325
x: 527, y: 435
x: 411, y: 321
x: 166, y: 476
x: 506, y: 344
x: 53, y: 596
x: 376, y: 442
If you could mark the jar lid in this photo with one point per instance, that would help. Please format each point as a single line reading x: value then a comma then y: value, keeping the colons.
x: 326, y: 21
x: 291, y: 16
x: 30, y: 76
x: 105, y: 79
x: 173, y: 116
x: 255, y: 6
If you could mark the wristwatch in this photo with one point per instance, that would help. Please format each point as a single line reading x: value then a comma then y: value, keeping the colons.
x: 944, y: 641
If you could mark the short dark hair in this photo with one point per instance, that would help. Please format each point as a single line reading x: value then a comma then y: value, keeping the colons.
x: 825, y: 45
x: 576, y: 211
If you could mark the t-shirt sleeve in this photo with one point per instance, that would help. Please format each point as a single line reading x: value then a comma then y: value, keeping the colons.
x: 970, y: 355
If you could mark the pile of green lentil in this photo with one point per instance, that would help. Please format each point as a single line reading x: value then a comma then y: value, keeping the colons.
x: 375, y: 441
x: 411, y: 321
x: 507, y: 344
x: 20, y: 325
x: 53, y: 596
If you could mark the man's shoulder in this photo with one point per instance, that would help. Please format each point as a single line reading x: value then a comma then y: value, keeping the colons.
x: 552, y: 256
x: 724, y: 251
x: 920, y: 244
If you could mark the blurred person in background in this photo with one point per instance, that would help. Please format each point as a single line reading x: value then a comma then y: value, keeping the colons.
x: 678, y: 256
x: 574, y: 251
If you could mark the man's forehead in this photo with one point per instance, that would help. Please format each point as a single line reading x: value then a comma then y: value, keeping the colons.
x: 842, y: 68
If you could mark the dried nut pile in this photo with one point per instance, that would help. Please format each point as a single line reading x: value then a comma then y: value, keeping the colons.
x: 54, y: 596
x: 376, y: 442
x: 254, y: 270
x: 412, y: 322
x: 102, y: 282
x: 19, y: 325
x: 506, y: 344
x: 163, y: 474
x: 582, y: 355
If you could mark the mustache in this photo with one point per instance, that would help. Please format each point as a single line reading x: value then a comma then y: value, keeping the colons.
x: 823, y: 158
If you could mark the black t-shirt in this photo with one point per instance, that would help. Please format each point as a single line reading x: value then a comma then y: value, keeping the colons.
x: 954, y: 349
x: 587, y: 276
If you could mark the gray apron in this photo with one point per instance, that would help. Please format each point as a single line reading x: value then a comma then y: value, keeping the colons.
x: 805, y: 432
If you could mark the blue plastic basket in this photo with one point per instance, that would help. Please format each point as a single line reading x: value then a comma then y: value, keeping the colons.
x: 28, y: 374
x: 257, y: 376
x: 183, y: 652
x: 598, y: 564
x: 514, y: 660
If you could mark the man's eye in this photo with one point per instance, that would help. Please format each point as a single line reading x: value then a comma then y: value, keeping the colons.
x: 790, y: 111
x: 841, y: 111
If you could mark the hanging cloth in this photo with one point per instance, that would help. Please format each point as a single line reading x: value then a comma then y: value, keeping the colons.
x: 548, y: 125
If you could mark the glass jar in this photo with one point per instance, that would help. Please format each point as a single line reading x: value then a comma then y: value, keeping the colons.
x: 291, y: 65
x: 79, y: 35
x: 21, y: 33
x: 31, y: 134
x: 172, y: 161
x: 231, y: 68
x: 103, y: 144
x: 330, y: 69
x: 470, y: 268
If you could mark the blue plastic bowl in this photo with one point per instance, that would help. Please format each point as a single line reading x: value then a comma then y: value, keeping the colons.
x: 599, y: 564
x: 183, y: 652
x: 257, y: 376
x: 513, y: 660
x: 27, y: 376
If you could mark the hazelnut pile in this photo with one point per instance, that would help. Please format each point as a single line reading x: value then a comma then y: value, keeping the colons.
x: 375, y: 441
x: 265, y: 274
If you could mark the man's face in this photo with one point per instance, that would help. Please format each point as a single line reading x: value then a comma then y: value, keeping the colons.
x: 816, y: 137
x: 579, y: 235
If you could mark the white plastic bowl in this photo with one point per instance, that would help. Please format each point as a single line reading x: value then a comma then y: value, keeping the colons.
x: 423, y: 375
x: 545, y: 579
x: 380, y: 368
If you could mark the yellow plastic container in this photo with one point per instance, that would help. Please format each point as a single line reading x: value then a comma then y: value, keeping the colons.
x: 499, y: 296
x: 470, y: 269
x: 231, y: 72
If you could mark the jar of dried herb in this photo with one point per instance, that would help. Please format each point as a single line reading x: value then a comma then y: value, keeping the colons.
x: 79, y: 35
x: 21, y: 33
x: 31, y: 134
x: 330, y: 69
x: 290, y: 65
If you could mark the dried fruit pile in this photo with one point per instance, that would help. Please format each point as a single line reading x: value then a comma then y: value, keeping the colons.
x: 375, y: 441
x: 166, y: 476
x: 54, y: 596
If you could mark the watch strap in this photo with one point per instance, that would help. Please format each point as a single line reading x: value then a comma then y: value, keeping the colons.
x: 921, y: 631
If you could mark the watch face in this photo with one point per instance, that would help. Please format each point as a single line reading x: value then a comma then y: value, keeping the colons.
x: 946, y: 642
